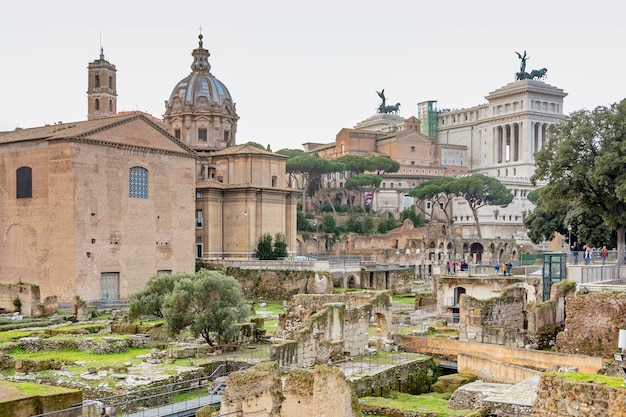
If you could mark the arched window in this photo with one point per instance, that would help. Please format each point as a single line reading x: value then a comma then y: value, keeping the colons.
x: 110, y: 82
x: 97, y: 81
x: 111, y: 106
x: 24, y: 182
x: 138, y: 183
x: 97, y: 105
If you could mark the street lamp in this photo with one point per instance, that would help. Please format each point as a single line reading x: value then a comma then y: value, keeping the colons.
x: 569, y: 239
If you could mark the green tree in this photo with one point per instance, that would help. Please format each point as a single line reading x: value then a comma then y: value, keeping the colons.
x: 256, y: 145
x: 386, y: 225
x: 148, y: 301
x: 479, y: 191
x: 363, y: 183
x: 367, y: 225
x: 264, y: 249
x: 280, y: 246
x: 305, y: 168
x: 411, y: 214
x: 583, y: 162
x: 303, y: 224
x: 438, y: 192
x: 328, y: 223
x: 209, y: 303
x: 290, y: 152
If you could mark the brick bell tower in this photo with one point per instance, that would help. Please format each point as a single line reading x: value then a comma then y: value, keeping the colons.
x: 101, y: 89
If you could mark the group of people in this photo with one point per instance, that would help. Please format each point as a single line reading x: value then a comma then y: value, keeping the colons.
x: 588, y: 253
x: 506, y: 268
x: 456, y: 267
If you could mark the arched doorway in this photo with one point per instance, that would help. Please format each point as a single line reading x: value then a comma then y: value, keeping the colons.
x: 476, y: 252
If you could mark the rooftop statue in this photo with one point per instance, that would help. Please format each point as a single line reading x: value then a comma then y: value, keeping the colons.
x: 534, y: 74
x: 384, y: 108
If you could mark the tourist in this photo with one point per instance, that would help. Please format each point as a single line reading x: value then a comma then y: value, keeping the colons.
x: 504, y: 268
x: 496, y: 266
x: 575, y: 249
x: 588, y: 255
x: 509, y: 266
x: 605, y: 254
x: 448, y: 268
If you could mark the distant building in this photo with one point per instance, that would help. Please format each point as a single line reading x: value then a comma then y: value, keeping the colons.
x: 95, y: 208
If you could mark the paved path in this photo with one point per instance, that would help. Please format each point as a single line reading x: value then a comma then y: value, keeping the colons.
x: 183, y: 408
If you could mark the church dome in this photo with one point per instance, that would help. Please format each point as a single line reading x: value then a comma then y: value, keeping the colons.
x: 200, y: 90
x: 200, y: 111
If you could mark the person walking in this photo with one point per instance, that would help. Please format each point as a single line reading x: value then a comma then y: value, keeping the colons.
x: 448, y: 268
x: 509, y: 266
x: 604, y: 254
x: 587, y: 255
x: 503, y: 268
x: 496, y: 266
x: 575, y: 249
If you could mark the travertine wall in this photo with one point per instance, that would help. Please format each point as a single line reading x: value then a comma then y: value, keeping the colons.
x: 259, y: 391
x: 558, y: 396
x: 497, y: 320
x: 592, y: 324
x: 326, y: 326
x: 28, y: 295
x: 536, y: 359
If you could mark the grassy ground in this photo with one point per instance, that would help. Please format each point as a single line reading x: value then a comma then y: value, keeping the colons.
x: 434, y: 403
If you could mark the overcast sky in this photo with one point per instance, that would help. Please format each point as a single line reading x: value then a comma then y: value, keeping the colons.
x: 301, y: 70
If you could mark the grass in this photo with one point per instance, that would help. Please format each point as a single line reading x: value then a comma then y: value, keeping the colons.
x: 404, y: 298
x: 270, y: 312
x: 82, y: 360
x: 17, y: 334
x: 434, y: 403
x: 609, y: 381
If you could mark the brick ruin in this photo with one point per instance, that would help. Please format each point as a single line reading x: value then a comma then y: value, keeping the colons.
x: 30, y: 299
x: 510, y: 320
x: 320, y: 327
x: 260, y: 391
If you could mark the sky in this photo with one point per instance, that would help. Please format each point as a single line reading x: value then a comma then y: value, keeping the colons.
x: 301, y: 70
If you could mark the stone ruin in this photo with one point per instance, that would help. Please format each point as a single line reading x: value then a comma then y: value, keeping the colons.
x: 319, y: 328
x: 260, y: 391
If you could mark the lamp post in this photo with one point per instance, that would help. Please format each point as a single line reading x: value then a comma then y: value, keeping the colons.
x: 569, y: 238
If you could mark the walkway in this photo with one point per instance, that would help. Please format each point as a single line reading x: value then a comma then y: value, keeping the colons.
x: 179, y: 409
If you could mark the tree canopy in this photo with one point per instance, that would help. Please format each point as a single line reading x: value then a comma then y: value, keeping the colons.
x: 480, y: 190
x: 583, y: 162
x: 209, y: 303
x: 148, y: 301
x: 438, y: 192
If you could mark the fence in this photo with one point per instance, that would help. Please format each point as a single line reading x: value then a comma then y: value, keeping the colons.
x: 600, y: 274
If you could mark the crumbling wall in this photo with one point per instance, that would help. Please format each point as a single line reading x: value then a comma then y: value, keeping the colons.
x: 259, y: 391
x: 498, y: 320
x: 558, y: 396
x: 254, y: 391
x: 592, y: 324
x: 398, y: 281
x: 27, y: 293
x: 329, y: 326
x: 280, y: 284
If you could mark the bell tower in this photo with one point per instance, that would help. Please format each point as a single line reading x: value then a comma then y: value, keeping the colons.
x: 101, y: 89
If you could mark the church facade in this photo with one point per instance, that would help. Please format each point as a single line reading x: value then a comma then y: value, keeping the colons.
x: 95, y: 208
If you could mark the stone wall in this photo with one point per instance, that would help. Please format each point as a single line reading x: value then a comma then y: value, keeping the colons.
x: 280, y: 285
x: 15, y: 400
x: 493, y: 370
x: 535, y: 359
x: 414, y: 377
x: 592, y: 324
x: 545, y: 319
x: 28, y: 295
x: 329, y: 326
x: 498, y: 320
x: 558, y: 396
x: 396, y: 280
x: 259, y: 391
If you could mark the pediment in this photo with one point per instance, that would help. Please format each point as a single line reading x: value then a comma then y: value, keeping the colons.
x: 137, y: 132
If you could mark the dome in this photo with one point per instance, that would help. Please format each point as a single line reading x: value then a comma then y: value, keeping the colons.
x: 200, y: 90
x: 200, y: 111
